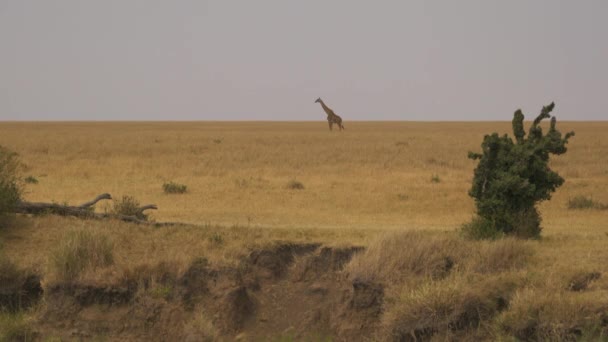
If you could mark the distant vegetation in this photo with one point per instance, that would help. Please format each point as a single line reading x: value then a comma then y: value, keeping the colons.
x: 584, y: 202
x: 174, y: 188
x: 31, y: 180
x: 295, y: 185
x: 128, y: 206
x: 512, y: 177
x: 10, y: 191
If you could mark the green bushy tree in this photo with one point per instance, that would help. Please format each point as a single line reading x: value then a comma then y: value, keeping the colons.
x: 511, y: 177
x: 10, y: 191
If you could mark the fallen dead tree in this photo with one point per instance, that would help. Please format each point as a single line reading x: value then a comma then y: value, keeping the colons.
x: 87, y: 211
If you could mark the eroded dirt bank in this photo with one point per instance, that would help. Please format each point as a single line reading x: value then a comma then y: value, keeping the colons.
x: 286, y: 291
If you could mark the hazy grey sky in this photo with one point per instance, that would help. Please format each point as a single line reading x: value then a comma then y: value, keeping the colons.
x: 270, y: 59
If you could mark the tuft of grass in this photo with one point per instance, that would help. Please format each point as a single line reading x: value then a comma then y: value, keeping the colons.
x: 539, y: 315
x: 438, y: 310
x: 580, y: 279
x: 435, y: 179
x: 295, y: 185
x: 128, y: 206
x: 584, y: 202
x: 396, y: 256
x: 81, y: 250
x: 491, y: 257
x: 15, y: 327
x: 200, y: 328
x: 31, y: 180
x: 415, y: 256
x: 174, y: 188
x: 216, y: 239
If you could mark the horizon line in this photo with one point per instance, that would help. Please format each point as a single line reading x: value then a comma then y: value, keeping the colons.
x: 274, y: 121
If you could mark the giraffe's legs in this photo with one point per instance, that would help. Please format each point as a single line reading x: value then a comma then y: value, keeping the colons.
x: 330, y: 125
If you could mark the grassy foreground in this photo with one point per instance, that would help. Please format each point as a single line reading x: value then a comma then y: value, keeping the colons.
x: 398, y: 189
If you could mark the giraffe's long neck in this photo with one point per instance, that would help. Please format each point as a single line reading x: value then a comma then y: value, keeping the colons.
x: 325, y: 108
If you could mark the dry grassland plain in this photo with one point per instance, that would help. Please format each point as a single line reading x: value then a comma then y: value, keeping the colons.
x: 373, y: 179
x: 371, y: 176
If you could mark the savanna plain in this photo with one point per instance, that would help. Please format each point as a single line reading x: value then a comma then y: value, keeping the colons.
x: 293, y: 232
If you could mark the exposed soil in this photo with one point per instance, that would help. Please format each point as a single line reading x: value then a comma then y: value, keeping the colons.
x: 290, y: 290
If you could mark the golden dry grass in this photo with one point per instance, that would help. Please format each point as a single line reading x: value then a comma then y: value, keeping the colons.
x: 375, y: 175
x: 365, y: 186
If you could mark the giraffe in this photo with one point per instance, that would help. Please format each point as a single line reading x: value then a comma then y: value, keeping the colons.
x: 332, y: 118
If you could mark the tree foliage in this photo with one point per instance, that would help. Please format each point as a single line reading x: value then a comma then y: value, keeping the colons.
x: 511, y: 177
x: 10, y: 191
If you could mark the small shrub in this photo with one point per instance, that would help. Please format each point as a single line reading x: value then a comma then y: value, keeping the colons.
x: 10, y: 191
x: 216, y: 239
x: 435, y: 179
x: 174, y: 188
x: 583, y: 202
x: 523, y: 224
x: 200, y: 328
x: 81, y: 250
x: 128, y: 206
x: 479, y: 229
x: 403, y: 197
x: 31, y: 180
x: 295, y: 185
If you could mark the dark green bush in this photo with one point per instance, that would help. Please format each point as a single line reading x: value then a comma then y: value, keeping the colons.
x: 511, y: 177
x: 10, y: 190
x: 174, y: 188
x: 583, y: 202
x: 31, y: 180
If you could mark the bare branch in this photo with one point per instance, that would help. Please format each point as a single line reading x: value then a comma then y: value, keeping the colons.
x: 94, y: 201
x: 84, y: 211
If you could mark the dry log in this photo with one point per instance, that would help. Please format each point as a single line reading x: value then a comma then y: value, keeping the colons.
x: 94, y: 201
x: 84, y: 210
